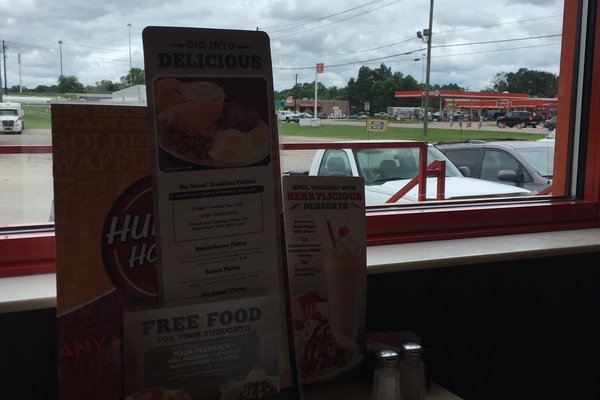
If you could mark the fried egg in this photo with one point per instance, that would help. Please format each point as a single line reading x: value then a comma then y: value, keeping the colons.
x: 230, y: 146
x: 258, y: 143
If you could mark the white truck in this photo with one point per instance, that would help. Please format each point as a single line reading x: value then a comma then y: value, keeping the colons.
x: 11, y: 118
x: 288, y: 116
x: 389, y: 172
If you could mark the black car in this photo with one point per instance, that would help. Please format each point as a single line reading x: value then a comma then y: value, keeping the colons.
x: 492, y: 115
x: 524, y: 163
x: 518, y: 118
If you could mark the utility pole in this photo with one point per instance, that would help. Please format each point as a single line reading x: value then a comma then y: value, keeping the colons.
x: 60, y: 42
x: 425, y: 36
x: 20, y: 83
x: 4, y: 57
x: 296, y: 94
x: 130, y: 74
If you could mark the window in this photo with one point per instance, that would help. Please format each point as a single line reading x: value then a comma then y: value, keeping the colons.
x: 27, y: 242
x: 495, y: 161
x: 335, y: 163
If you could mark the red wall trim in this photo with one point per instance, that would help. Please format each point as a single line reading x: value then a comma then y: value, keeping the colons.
x: 26, y: 149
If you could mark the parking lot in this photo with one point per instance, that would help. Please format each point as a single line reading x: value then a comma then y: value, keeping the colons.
x: 26, y: 190
x: 25, y: 180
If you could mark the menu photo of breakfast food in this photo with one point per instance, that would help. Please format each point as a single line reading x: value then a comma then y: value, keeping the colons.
x: 211, y: 123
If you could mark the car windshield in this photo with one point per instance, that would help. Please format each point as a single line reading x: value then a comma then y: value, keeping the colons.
x: 381, y: 165
x: 541, y: 158
x: 9, y: 112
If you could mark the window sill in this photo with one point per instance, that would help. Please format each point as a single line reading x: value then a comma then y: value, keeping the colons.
x: 28, y: 292
x: 31, y: 292
x: 445, y: 253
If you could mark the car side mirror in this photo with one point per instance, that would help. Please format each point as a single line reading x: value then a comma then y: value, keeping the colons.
x: 466, y: 171
x: 508, y: 175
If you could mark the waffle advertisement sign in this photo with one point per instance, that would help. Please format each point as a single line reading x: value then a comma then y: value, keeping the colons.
x: 105, y: 244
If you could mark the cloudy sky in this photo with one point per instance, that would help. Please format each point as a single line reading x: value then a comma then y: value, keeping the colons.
x: 472, y: 40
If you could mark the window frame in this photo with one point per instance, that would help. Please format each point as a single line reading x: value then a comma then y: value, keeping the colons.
x: 25, y: 252
x: 547, y: 214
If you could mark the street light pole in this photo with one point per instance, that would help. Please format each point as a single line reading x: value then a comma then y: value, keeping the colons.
x: 130, y: 75
x: 60, y: 42
x: 20, y: 83
x: 425, y: 36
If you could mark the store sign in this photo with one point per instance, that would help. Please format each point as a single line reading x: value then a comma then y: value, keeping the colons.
x: 377, y: 125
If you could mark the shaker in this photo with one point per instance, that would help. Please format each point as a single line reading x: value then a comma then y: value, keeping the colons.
x: 412, y: 372
x: 386, y: 380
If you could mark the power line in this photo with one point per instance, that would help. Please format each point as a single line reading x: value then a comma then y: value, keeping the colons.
x: 337, y: 22
x: 413, y: 38
x: 421, y: 49
x: 307, y: 22
x: 499, y: 24
x: 498, y: 41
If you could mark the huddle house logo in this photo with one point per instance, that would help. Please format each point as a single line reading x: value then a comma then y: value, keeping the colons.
x: 128, y: 242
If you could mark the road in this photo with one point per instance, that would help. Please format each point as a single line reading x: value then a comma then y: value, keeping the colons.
x: 26, y: 190
x: 487, y: 125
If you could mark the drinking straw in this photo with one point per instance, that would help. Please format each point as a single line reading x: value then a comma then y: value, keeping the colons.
x: 331, y: 235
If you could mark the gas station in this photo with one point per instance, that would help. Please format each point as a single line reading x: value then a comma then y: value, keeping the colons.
x: 479, y: 102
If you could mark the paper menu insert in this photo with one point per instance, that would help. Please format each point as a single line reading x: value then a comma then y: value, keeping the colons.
x: 203, y: 351
x: 210, y: 96
x: 217, y: 206
x: 326, y: 253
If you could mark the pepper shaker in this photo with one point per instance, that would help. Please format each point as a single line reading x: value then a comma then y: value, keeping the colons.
x: 386, y: 381
x: 412, y: 372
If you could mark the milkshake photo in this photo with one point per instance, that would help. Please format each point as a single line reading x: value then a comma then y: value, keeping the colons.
x: 324, y: 221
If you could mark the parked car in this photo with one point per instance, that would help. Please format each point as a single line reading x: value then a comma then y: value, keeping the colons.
x: 288, y: 116
x: 386, y: 171
x: 322, y: 115
x: 550, y: 124
x: 305, y: 115
x: 438, y: 116
x: 493, y: 115
x: 460, y: 116
x: 527, y: 164
x: 515, y: 118
x: 380, y: 115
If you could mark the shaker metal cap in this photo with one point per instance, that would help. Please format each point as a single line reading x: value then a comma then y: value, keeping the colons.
x: 412, y: 352
x: 411, y: 347
x: 388, y: 358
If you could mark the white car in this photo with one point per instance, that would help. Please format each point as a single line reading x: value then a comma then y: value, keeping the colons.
x: 387, y: 171
x: 288, y: 116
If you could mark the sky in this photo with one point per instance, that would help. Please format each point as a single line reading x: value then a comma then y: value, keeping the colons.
x: 472, y: 41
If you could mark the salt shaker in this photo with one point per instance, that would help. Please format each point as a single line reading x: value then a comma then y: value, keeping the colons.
x: 412, y: 372
x: 386, y: 381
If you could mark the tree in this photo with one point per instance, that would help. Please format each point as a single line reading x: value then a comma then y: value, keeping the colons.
x: 137, y: 78
x: 69, y: 84
x: 535, y: 83
x: 104, y: 86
